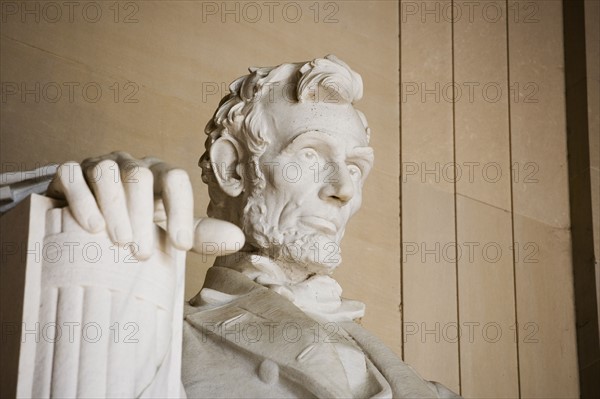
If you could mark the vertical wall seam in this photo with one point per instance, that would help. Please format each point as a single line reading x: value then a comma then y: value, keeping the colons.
x: 455, y: 197
x: 512, y: 214
x: 400, y: 178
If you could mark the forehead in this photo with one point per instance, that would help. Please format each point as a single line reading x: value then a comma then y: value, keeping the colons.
x: 340, y: 121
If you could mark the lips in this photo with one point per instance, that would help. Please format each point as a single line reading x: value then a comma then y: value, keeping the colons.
x: 322, y: 224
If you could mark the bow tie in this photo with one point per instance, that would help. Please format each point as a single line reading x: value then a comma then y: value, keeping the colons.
x: 319, y: 296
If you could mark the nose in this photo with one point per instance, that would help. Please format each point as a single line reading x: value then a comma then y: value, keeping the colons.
x: 338, y: 186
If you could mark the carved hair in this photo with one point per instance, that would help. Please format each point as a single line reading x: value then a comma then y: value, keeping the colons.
x: 239, y: 115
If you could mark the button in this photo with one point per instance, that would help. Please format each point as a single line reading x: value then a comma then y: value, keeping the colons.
x: 268, y: 372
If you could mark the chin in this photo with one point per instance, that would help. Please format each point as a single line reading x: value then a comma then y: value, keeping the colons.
x: 314, y: 252
x: 310, y: 250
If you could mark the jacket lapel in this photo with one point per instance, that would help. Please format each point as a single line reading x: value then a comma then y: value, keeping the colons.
x: 264, y: 324
x: 405, y: 382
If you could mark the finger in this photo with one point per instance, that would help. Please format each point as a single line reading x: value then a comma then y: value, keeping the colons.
x: 138, y: 184
x: 151, y: 161
x: 160, y: 214
x: 105, y: 181
x: 178, y: 199
x: 93, y: 161
x: 113, y: 155
x: 217, y: 237
x: 158, y: 167
x: 90, y: 163
x: 68, y: 183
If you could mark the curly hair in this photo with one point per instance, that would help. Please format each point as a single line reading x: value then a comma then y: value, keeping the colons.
x: 239, y: 118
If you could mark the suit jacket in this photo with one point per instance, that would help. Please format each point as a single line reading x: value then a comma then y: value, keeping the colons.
x: 256, y: 343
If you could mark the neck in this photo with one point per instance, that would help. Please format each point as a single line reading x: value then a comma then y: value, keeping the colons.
x: 319, y: 296
x: 254, y: 264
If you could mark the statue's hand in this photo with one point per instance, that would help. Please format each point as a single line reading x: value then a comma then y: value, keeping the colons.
x: 126, y: 196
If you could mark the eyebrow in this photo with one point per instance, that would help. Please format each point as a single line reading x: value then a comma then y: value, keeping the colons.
x: 363, y: 153
x: 307, y: 136
x: 325, y: 136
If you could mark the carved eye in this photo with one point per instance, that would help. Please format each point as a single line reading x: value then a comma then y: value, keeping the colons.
x: 354, y: 171
x: 309, y: 154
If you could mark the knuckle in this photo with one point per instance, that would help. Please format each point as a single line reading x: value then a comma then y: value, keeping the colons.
x: 68, y: 164
x: 152, y: 160
x: 107, y: 164
x: 121, y: 154
x: 95, y: 160
x: 90, y: 160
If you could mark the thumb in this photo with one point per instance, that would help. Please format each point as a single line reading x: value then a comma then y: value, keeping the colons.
x: 217, y: 237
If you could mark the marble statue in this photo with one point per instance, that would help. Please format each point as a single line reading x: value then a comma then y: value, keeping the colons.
x: 286, y: 158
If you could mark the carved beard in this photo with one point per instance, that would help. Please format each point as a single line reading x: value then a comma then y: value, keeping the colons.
x: 295, y: 249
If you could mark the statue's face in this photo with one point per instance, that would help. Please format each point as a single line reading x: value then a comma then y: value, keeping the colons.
x: 315, y: 168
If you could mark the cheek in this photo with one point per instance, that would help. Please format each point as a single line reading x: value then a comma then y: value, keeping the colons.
x: 294, y: 176
x: 290, y: 175
x: 283, y: 198
x: 356, y: 201
x: 274, y: 203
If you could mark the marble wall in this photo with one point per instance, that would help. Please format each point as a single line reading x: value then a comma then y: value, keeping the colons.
x: 465, y: 220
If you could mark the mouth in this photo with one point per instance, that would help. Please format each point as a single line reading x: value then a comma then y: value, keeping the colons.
x: 324, y: 225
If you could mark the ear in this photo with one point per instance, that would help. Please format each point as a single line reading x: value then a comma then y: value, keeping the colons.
x: 224, y: 158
